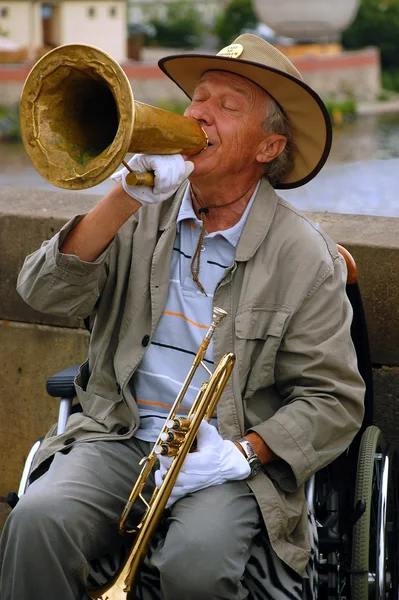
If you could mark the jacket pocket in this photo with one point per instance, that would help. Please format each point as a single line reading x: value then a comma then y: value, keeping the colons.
x: 258, y: 335
x: 95, y: 406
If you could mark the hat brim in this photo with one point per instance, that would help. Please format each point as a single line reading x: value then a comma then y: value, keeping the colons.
x: 306, y: 111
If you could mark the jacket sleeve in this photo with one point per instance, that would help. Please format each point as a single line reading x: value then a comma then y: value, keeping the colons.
x: 61, y: 284
x: 316, y: 373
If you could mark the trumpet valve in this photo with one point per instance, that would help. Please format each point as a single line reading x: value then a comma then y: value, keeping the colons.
x: 180, y: 424
x: 172, y: 436
x: 166, y: 449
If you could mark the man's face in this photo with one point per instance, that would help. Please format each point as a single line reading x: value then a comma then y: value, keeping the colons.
x: 231, y: 110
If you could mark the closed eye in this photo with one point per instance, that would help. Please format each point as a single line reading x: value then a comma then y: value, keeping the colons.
x: 231, y: 107
x: 201, y: 98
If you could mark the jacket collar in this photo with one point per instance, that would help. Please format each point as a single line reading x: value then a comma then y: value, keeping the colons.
x: 258, y: 222
x: 170, y: 208
x: 256, y: 226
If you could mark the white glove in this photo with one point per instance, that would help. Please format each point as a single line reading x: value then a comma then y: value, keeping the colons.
x: 169, y: 171
x: 215, y: 461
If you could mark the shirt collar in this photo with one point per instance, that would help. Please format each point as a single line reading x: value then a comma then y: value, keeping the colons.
x: 232, y: 234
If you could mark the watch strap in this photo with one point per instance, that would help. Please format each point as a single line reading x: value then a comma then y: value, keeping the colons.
x: 252, y: 458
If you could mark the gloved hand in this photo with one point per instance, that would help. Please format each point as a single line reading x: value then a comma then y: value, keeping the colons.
x: 215, y: 461
x: 169, y: 171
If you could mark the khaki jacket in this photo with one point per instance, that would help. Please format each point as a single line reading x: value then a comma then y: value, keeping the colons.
x: 295, y: 381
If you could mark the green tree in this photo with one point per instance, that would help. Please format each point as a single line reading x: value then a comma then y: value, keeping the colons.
x: 238, y: 15
x: 182, y: 27
x: 376, y: 24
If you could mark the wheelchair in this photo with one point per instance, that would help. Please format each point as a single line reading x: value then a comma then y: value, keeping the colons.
x: 354, y: 501
x: 355, y: 498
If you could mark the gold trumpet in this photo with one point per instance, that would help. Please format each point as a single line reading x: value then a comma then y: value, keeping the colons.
x: 176, y: 440
x: 79, y: 120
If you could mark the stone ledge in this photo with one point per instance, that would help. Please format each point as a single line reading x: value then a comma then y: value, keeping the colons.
x: 29, y: 354
x: 347, y: 74
x: 386, y: 403
x: 149, y: 68
x: 25, y: 221
x: 374, y: 243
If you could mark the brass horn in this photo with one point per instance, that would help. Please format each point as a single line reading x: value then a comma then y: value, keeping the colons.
x: 79, y: 119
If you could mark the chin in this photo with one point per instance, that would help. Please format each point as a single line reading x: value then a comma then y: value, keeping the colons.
x: 199, y: 171
x: 203, y: 165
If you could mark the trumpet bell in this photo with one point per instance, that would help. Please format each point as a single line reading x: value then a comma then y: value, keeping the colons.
x: 79, y: 119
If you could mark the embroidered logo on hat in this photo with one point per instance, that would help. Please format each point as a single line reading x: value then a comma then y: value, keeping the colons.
x: 232, y: 51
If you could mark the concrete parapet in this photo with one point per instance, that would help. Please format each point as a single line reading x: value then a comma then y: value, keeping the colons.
x: 386, y: 402
x: 374, y: 244
x: 352, y: 75
x: 29, y: 354
x: 26, y: 219
x: 34, y: 346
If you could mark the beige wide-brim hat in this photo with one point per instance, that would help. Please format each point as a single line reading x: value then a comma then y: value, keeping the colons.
x: 259, y: 61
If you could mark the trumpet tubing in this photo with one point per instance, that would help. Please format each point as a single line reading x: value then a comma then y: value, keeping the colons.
x: 79, y: 119
x: 167, y: 443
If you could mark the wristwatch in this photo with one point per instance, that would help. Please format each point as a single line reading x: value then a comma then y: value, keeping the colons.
x: 252, y: 458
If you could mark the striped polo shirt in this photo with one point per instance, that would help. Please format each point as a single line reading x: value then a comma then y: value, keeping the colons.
x: 184, y: 322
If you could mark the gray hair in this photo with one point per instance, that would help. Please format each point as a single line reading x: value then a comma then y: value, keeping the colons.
x: 276, y: 121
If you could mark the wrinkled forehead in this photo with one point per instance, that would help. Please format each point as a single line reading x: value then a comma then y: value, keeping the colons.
x: 237, y: 83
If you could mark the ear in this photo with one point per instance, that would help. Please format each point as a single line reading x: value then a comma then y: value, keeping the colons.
x: 271, y: 147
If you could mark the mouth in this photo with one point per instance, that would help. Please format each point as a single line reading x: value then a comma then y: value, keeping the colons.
x: 206, y: 149
x: 208, y: 140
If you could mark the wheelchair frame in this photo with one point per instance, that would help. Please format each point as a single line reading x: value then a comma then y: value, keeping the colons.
x: 358, y: 525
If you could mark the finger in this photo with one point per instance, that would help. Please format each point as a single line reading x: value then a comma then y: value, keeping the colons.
x: 158, y: 478
x: 165, y: 463
x: 139, y: 163
x: 206, y: 433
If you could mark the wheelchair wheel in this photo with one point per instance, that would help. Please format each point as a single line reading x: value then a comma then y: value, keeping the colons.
x: 374, y: 572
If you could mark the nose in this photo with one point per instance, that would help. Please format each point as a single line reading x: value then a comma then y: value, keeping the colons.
x: 202, y: 112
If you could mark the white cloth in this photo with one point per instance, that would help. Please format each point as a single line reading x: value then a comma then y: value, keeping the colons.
x: 169, y: 172
x: 214, y: 462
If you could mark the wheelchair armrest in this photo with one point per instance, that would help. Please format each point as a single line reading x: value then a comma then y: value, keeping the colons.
x: 350, y: 264
x: 61, y: 384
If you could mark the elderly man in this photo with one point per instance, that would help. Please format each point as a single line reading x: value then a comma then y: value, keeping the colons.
x: 151, y: 263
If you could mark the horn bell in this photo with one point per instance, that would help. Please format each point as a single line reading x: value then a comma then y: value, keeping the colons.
x: 79, y: 119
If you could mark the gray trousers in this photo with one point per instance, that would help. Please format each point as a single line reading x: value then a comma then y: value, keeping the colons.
x: 69, y: 516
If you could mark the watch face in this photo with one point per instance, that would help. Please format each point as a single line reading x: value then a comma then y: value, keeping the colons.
x: 256, y: 469
x: 255, y: 465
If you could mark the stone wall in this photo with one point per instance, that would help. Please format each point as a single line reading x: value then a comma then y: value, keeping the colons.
x: 345, y: 76
x: 353, y: 75
x: 34, y: 346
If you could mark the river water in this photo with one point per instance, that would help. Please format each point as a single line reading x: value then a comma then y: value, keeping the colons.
x: 361, y: 175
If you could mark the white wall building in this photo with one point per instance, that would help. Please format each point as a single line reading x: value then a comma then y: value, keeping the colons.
x: 40, y: 25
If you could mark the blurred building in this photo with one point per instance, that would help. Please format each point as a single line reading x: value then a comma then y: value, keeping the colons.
x: 39, y: 26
